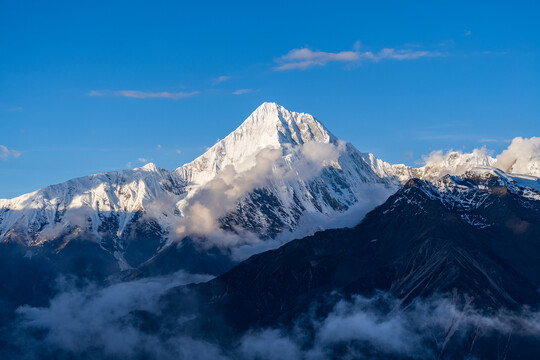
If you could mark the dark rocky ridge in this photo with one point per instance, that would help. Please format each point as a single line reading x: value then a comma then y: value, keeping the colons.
x: 415, y: 245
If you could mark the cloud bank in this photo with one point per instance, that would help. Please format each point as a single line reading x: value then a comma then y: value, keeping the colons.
x: 368, y: 327
x: 79, y: 320
x: 92, y: 323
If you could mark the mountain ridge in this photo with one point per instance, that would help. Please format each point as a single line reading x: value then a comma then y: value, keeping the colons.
x: 307, y: 171
x: 307, y: 180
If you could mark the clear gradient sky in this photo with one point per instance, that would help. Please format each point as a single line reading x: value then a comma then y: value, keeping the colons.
x: 94, y: 86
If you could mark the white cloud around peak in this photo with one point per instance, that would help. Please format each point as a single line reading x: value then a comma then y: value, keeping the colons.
x: 521, y: 157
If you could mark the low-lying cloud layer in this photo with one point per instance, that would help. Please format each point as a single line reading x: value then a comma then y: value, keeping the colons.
x: 95, y: 323
x: 367, y: 327
x: 79, y: 320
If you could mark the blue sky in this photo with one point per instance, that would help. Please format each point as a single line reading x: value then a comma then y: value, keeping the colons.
x: 87, y: 87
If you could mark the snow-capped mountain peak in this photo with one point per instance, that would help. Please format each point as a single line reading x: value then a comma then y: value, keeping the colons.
x: 270, y: 126
x: 148, y: 167
x: 292, y: 127
x: 454, y: 162
x: 437, y: 165
x: 277, y: 169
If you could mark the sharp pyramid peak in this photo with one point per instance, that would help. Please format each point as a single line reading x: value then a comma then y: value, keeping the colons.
x: 273, y: 111
x: 148, y: 167
x: 287, y: 126
x: 269, y: 107
x: 269, y: 126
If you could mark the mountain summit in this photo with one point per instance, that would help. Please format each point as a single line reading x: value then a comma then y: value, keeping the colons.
x: 269, y: 126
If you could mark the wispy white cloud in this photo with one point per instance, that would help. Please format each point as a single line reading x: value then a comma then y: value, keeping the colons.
x: 6, y: 153
x: 400, y: 54
x: 142, y: 94
x: 467, y: 33
x: 306, y: 58
x: 17, y: 108
x: 301, y: 59
x: 221, y: 79
x: 243, y: 91
x: 143, y: 160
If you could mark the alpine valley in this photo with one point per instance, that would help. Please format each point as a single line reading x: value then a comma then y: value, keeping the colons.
x: 280, y: 241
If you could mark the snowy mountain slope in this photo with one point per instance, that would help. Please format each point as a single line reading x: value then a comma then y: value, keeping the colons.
x: 314, y: 173
x: 87, y: 201
x: 463, y: 181
x: 475, y: 195
x: 280, y: 175
x: 276, y: 170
